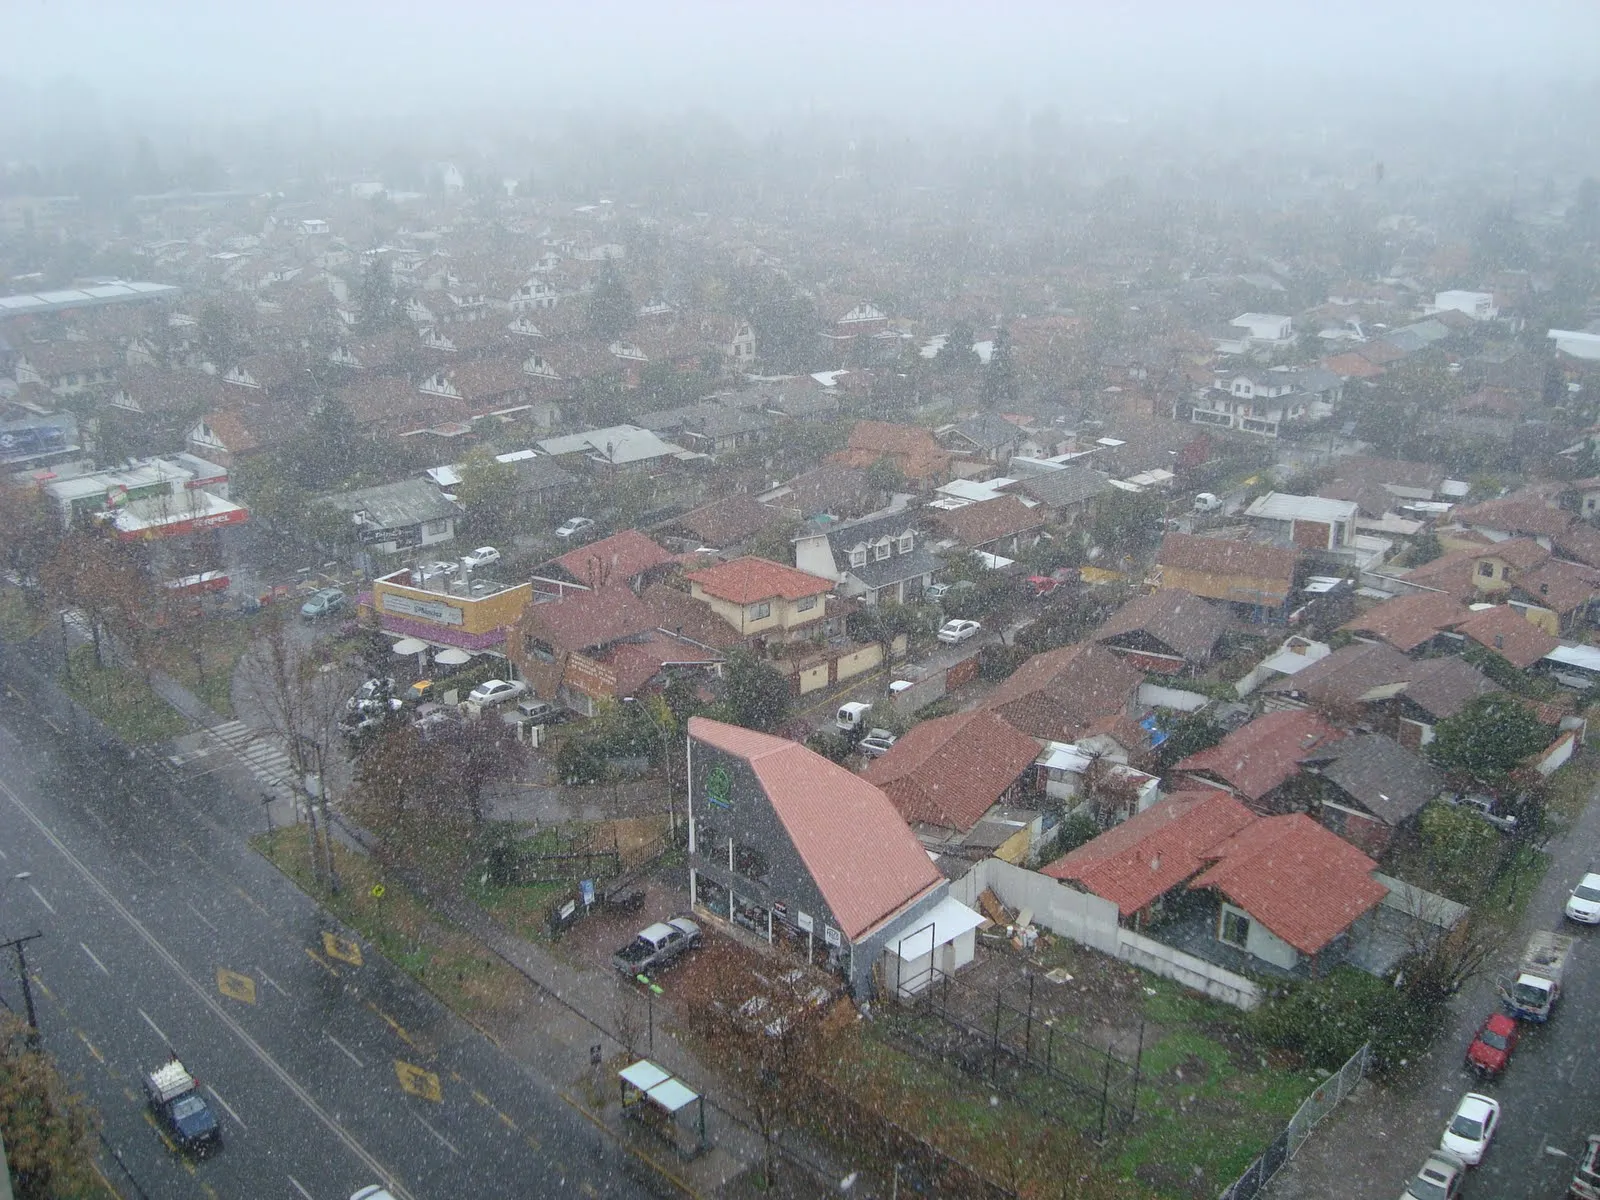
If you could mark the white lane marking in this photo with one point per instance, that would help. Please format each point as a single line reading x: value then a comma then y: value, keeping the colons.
x: 93, y: 959
x: 443, y: 1141
x: 300, y: 1188
x: 56, y: 725
x: 4, y: 857
x: 271, y: 982
x: 202, y: 917
x: 344, y: 1048
x: 98, y: 819
x: 39, y: 896
x: 218, y: 1098
x: 139, y: 858
x: 154, y: 1026
x: 203, y: 992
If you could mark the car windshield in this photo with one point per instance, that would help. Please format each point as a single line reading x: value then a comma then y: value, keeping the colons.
x: 1585, y: 892
x: 1467, y: 1127
x: 1428, y: 1187
x: 1529, y: 996
x: 188, y: 1107
x: 1495, y: 1041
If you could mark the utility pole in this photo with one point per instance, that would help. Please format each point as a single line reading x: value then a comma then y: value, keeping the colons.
x: 16, y: 945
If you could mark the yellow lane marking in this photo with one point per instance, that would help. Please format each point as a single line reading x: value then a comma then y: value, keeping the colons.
x: 98, y: 1173
x: 236, y: 986
x: 418, y: 1082
x: 251, y: 901
x: 399, y: 1029
x: 84, y: 1038
x: 343, y: 949
x: 322, y: 962
x: 506, y: 1121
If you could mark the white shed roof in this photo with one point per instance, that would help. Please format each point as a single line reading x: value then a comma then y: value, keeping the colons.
x: 923, y: 934
x: 1281, y: 506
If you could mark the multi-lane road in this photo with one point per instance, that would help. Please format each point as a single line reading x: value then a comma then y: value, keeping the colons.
x: 162, y: 931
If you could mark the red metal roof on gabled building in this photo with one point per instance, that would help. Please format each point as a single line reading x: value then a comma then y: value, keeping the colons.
x: 1258, y: 757
x: 951, y: 770
x: 857, y: 849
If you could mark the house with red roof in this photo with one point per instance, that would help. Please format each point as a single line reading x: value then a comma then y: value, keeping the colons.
x: 1510, y: 634
x: 1060, y: 695
x: 1260, y: 761
x: 1168, y: 631
x: 805, y: 854
x: 628, y: 558
x: 962, y: 781
x: 1283, y: 891
x: 764, y: 601
x: 1411, y: 624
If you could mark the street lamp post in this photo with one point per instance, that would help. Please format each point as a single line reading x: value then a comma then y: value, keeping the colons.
x: 666, y: 763
x: 16, y: 944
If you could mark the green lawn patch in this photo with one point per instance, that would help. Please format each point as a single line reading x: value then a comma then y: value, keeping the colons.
x: 445, y: 959
x: 201, y: 654
x: 19, y: 620
x: 520, y: 908
x: 1568, y: 790
x: 122, y: 699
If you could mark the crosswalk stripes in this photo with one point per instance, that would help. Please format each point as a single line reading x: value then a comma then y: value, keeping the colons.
x: 266, y: 757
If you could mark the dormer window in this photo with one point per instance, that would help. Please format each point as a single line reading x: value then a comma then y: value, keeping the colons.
x: 907, y: 542
x: 1486, y: 569
x: 858, y: 557
x: 882, y: 550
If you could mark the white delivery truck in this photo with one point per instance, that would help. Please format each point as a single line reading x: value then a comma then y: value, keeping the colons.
x: 1532, y: 993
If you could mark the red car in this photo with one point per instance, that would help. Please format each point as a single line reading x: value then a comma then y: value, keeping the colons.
x: 1491, y: 1049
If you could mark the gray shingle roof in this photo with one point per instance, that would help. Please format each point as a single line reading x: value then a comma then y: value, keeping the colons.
x: 1064, y: 488
x: 897, y: 567
x: 1383, y: 776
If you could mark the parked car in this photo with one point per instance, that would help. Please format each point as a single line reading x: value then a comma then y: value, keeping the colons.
x: 370, y: 716
x: 953, y: 632
x: 1207, y: 502
x: 1585, y: 1183
x: 657, y: 946
x: 901, y: 685
x: 1583, y: 905
x: 322, y: 603
x: 536, y: 711
x: 1484, y: 806
x: 441, y: 567
x: 496, y: 691
x: 1491, y: 1049
x: 1471, y: 1128
x: 876, y: 747
x: 1440, y: 1178
x: 437, y: 721
x: 373, y: 1191
x: 574, y: 529
x: 851, y: 716
x: 372, y: 689
x: 936, y: 592
x: 483, y: 556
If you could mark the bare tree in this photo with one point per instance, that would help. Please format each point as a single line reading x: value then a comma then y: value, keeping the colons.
x: 302, y: 698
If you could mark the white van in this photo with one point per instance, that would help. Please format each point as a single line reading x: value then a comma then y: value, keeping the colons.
x: 1206, y: 502
x: 852, y: 716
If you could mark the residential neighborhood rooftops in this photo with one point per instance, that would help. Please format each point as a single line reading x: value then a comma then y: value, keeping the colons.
x: 1179, y: 620
x: 617, y: 559
x: 1509, y: 634
x: 860, y: 852
x: 1060, y: 694
x: 395, y: 505
x: 1263, y: 754
x: 951, y: 770
x: 1062, y: 488
x: 1282, y: 506
x: 1304, y: 883
x: 749, y: 579
x: 1407, y: 622
x: 1226, y: 556
x: 1154, y: 851
x: 1389, y: 781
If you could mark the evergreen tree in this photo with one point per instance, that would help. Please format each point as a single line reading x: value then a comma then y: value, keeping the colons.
x: 611, y: 309
x: 1000, y: 376
x: 379, y: 306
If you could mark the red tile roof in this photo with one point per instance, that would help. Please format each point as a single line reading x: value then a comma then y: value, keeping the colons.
x: 636, y: 663
x: 1351, y: 366
x: 1406, y: 622
x: 1306, y: 884
x: 858, y: 850
x: 1509, y: 634
x: 1059, y: 694
x: 1562, y: 586
x: 950, y: 771
x: 581, y: 620
x: 751, y: 579
x: 1259, y: 756
x: 1178, y: 619
x: 616, y: 559
x: 1229, y: 559
x: 1155, y: 851
x: 990, y: 520
x: 1517, y: 514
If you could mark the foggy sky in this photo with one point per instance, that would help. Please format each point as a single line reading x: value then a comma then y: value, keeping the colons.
x: 352, y: 59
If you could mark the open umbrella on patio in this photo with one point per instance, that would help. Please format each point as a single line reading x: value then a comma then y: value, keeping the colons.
x: 406, y: 647
x: 452, y: 657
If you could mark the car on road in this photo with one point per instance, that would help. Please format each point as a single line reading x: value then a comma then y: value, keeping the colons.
x: 1207, y: 502
x: 901, y: 685
x: 373, y: 1191
x: 182, y: 1112
x: 1492, y: 1048
x: 483, y: 556
x: 496, y: 691
x: 953, y: 632
x: 1471, y: 1127
x: 574, y: 529
x: 322, y: 603
x: 1440, y: 1178
x: 657, y: 946
x: 874, y: 746
x: 371, y: 716
x: 1583, y: 905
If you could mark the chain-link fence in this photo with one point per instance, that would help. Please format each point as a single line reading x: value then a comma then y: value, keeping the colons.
x: 1293, y: 1135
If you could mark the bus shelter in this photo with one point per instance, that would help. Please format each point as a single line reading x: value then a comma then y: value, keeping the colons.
x: 665, y: 1105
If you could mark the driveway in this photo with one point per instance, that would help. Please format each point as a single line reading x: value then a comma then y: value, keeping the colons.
x: 1372, y: 1144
